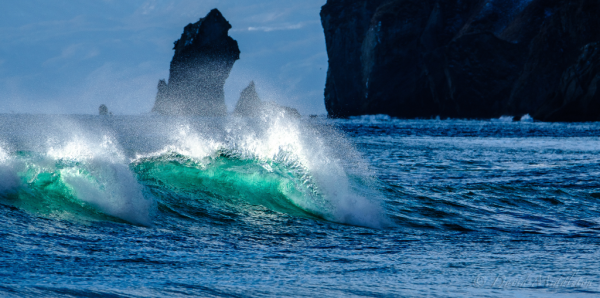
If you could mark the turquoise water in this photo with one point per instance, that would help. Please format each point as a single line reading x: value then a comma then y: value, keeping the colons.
x: 130, y: 206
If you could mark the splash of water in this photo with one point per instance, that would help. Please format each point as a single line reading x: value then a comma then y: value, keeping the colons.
x: 99, y: 168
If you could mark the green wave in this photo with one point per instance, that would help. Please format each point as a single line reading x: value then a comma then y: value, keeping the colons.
x: 97, y: 189
x: 73, y: 190
x: 42, y: 188
x: 279, y: 186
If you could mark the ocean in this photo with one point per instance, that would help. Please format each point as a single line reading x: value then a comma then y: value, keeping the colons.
x: 152, y: 206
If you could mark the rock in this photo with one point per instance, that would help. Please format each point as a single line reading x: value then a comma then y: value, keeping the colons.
x: 473, y: 76
x: 400, y: 23
x: 345, y: 23
x: 383, y: 54
x: 453, y: 58
x: 161, y: 103
x: 527, y: 24
x: 250, y: 105
x: 578, y: 95
x: 567, y: 27
x: 204, y: 56
x: 102, y: 110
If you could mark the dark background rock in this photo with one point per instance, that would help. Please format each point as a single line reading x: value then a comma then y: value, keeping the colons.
x: 473, y: 76
x: 250, y: 105
x: 568, y: 26
x: 578, y: 95
x: 452, y: 58
x: 204, y: 56
x: 102, y: 110
x: 345, y: 23
x: 400, y: 23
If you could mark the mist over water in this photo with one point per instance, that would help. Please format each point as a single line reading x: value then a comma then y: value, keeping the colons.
x: 270, y: 206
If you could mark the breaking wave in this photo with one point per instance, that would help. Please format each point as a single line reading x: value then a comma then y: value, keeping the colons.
x: 103, y: 171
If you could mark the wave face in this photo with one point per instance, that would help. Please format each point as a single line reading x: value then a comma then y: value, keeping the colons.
x: 223, y: 177
x: 72, y: 183
x: 132, y: 171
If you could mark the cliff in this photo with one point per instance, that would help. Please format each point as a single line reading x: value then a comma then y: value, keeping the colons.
x: 204, y: 56
x: 577, y: 97
x: 460, y: 59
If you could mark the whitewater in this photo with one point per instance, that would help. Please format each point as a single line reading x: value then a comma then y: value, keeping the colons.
x: 143, y: 206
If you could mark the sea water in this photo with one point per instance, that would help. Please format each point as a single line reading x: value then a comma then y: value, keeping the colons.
x: 150, y: 206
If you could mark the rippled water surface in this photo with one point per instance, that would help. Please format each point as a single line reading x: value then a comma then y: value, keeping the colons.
x: 143, y: 206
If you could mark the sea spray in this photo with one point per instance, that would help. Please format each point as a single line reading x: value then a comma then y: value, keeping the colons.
x: 316, y: 157
x: 79, y: 177
x: 101, y: 178
x: 281, y: 163
x: 102, y: 167
x: 9, y: 181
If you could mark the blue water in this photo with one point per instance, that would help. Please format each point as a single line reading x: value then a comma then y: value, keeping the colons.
x: 148, y: 206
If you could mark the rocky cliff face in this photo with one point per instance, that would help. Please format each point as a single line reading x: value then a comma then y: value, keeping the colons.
x: 454, y: 58
x: 204, y: 56
x: 577, y: 97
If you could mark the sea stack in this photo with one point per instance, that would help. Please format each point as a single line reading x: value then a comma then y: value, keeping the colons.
x: 102, y: 110
x: 462, y: 59
x: 204, y: 56
x: 250, y: 105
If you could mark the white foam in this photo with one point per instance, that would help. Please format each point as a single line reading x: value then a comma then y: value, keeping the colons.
x: 102, y: 178
x: 319, y: 154
x: 9, y: 180
x: 526, y: 118
x: 192, y: 144
x: 372, y: 119
x: 316, y: 156
x: 81, y: 148
x: 112, y: 189
x: 504, y: 118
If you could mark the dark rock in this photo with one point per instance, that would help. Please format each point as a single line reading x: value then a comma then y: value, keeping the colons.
x: 392, y: 77
x: 346, y: 23
x: 473, y: 76
x: 453, y: 58
x: 250, y: 105
x: 384, y: 55
x: 568, y: 26
x: 490, y: 15
x: 578, y: 95
x: 204, y: 56
x: 527, y: 24
x: 102, y: 110
x: 450, y: 19
x: 161, y: 103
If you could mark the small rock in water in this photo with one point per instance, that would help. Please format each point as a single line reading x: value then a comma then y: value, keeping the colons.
x: 102, y: 110
x: 250, y: 105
